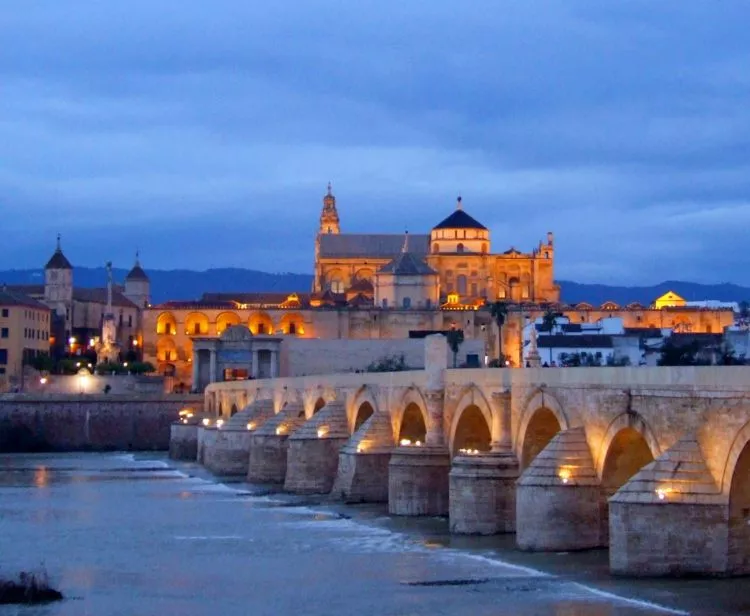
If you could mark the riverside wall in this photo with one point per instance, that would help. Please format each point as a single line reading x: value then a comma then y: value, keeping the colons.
x: 90, y: 422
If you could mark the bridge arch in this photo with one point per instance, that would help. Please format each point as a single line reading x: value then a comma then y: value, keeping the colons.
x: 411, y: 419
x: 471, y: 426
x: 362, y: 406
x: 541, y: 419
x: 736, y: 485
x: 624, y: 428
x: 315, y: 400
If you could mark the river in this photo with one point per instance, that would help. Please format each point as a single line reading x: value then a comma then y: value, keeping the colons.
x: 124, y: 534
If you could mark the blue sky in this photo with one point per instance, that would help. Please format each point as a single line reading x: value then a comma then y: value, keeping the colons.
x: 204, y: 133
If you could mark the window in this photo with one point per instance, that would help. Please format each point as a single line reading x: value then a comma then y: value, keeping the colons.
x: 474, y: 290
x: 292, y: 328
x: 3, y: 357
x: 4, y: 332
x: 460, y: 247
x: 196, y: 328
x: 435, y: 247
x: 130, y: 320
x: 5, y: 313
x: 407, y: 302
x: 261, y: 328
x: 461, y: 282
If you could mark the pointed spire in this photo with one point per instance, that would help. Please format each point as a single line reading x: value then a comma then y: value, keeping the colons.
x: 458, y: 202
x: 137, y: 258
x: 59, y: 245
x: 405, y: 247
x: 330, y: 188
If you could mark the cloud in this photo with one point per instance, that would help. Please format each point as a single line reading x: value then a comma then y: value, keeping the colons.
x: 205, y: 133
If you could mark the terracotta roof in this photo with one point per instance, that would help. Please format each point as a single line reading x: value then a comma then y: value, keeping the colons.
x: 376, y: 246
x: 12, y: 298
x: 26, y: 289
x: 58, y: 261
x: 460, y: 220
x: 407, y: 264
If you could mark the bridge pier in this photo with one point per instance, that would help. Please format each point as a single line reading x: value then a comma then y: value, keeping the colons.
x: 206, y: 439
x: 418, y: 481
x: 313, y: 452
x: 183, y: 441
x: 363, y: 462
x: 229, y: 452
x: 269, y: 444
x: 670, y: 519
x: 482, y: 494
x: 558, y: 498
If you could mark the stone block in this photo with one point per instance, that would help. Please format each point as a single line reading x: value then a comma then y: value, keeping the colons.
x: 312, y: 464
x: 667, y: 538
x: 183, y: 442
x: 482, y: 494
x: 228, y: 453
x: 557, y: 518
x: 418, y: 481
x: 268, y: 458
x: 362, y: 476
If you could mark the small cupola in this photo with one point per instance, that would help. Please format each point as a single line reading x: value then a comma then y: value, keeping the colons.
x: 460, y: 233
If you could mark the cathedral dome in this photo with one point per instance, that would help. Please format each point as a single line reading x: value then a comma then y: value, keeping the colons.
x: 460, y: 233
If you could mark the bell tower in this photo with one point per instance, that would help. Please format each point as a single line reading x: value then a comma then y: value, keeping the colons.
x: 329, y: 217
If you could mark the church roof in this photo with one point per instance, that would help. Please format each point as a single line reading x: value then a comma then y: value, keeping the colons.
x: 99, y: 296
x: 137, y: 273
x: 407, y: 264
x: 375, y: 246
x: 460, y: 220
x: 58, y: 261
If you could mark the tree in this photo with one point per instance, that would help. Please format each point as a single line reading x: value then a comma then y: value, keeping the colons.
x: 499, y: 311
x: 549, y: 322
x: 455, y: 340
x: 676, y: 355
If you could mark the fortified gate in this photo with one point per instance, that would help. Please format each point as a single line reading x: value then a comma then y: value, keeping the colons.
x: 652, y: 462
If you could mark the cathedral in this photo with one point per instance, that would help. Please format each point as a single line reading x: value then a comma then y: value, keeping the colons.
x: 454, y: 263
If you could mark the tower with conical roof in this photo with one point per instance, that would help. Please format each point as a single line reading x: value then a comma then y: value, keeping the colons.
x: 138, y: 285
x: 58, y: 284
x: 329, y: 217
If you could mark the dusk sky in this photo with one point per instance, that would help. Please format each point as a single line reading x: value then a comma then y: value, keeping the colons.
x: 204, y: 133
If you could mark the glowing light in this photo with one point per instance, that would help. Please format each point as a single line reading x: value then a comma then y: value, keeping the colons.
x: 135, y: 343
x: 468, y: 452
x: 281, y: 429
x: 125, y: 365
x: 662, y: 493
x: 564, y: 475
x: 78, y: 364
x: 322, y: 431
x: 206, y: 421
x: 43, y: 380
x: 219, y: 423
x: 404, y: 442
x: 71, y: 341
x: 251, y: 425
x: 91, y: 342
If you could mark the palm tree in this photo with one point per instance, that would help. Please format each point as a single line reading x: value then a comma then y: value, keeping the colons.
x: 499, y: 311
x: 455, y: 340
x: 549, y: 322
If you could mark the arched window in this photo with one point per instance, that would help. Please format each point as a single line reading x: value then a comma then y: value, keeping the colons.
x: 435, y: 247
x: 407, y: 302
x: 484, y: 248
x: 460, y: 247
x: 337, y: 285
x: 292, y: 328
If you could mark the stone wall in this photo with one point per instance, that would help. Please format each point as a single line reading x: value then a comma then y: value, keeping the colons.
x: 302, y: 357
x: 84, y: 423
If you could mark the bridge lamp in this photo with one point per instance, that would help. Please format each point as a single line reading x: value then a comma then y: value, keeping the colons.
x: 322, y: 431
x: 662, y: 493
x: 404, y: 442
x: 564, y: 475
x: 219, y: 423
x: 281, y: 429
x: 251, y: 425
x: 206, y: 421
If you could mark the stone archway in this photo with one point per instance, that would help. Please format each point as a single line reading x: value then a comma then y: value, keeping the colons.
x: 413, y: 427
x: 364, y: 412
x: 541, y: 427
x: 472, y: 431
x: 738, y: 557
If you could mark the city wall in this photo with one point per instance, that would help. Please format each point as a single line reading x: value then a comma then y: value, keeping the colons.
x: 90, y: 422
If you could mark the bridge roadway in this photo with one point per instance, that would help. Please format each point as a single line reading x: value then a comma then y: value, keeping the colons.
x: 652, y: 462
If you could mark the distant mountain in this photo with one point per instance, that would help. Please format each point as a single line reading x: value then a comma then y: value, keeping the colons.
x: 188, y: 285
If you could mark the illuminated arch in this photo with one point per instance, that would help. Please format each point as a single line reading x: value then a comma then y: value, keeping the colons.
x: 584, y: 306
x: 196, y: 324
x: 741, y: 440
x: 226, y: 319
x: 627, y: 420
x: 409, y: 410
x: 260, y: 324
x: 335, y: 281
x: 292, y: 324
x: 542, y: 418
x: 363, y: 395
x: 610, y: 306
x: 471, y: 396
x: 166, y: 350
x: 166, y: 323
x: 365, y: 273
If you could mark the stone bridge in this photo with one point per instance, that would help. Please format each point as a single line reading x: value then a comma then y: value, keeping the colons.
x: 652, y: 462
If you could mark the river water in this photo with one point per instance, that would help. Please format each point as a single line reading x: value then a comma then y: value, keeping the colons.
x: 136, y: 535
